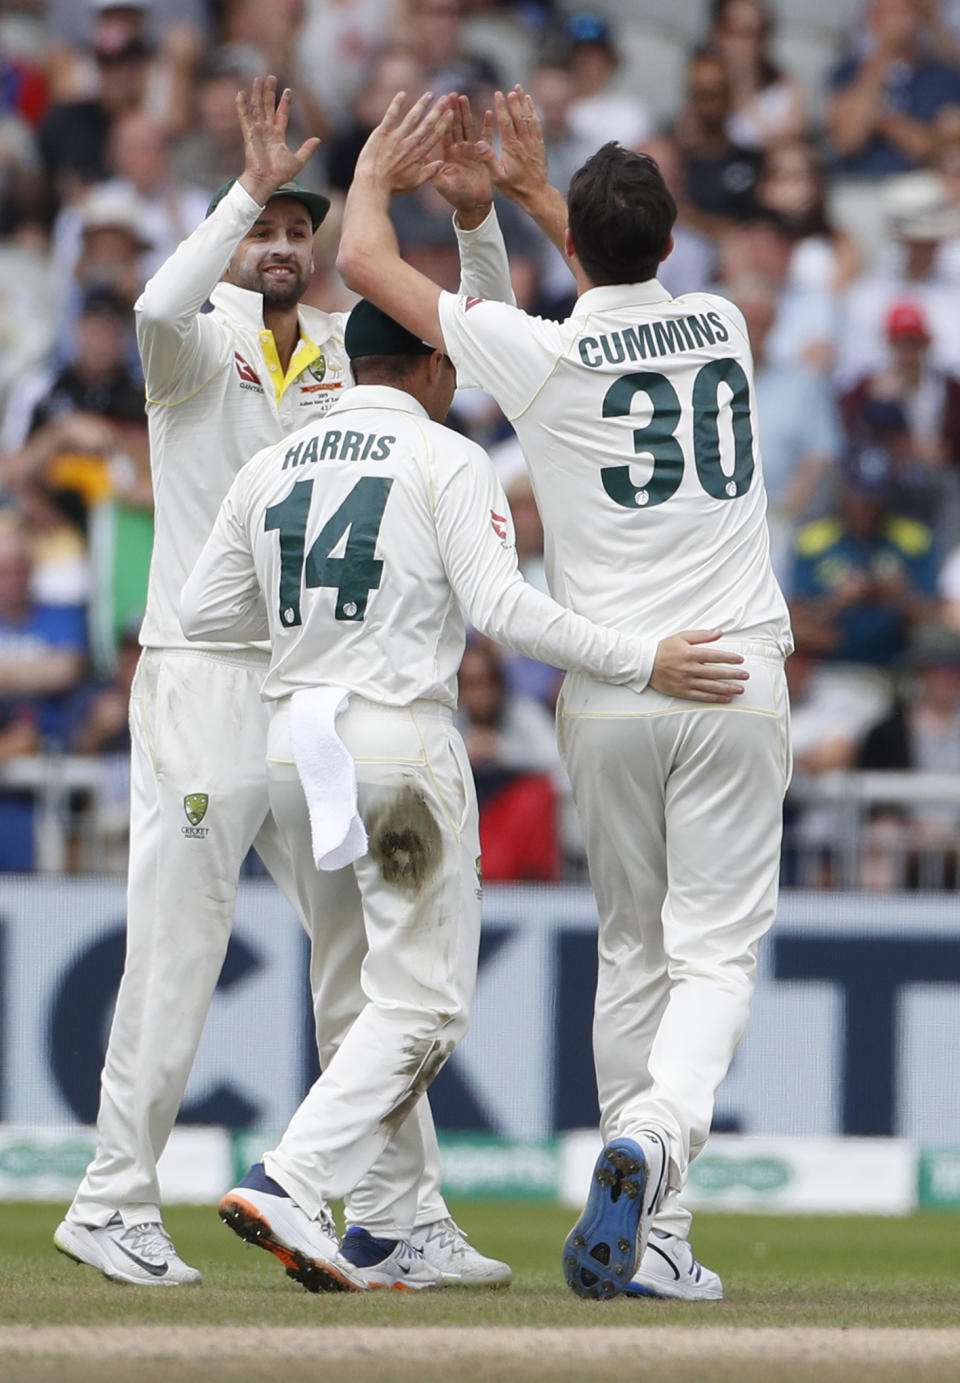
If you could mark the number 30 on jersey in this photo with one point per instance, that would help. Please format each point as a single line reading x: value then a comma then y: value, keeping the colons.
x: 658, y: 438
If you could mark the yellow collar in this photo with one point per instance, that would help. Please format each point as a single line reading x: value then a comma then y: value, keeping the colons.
x: 305, y: 354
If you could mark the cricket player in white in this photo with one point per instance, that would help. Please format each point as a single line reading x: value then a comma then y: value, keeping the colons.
x: 637, y: 419
x: 219, y: 386
x: 354, y: 544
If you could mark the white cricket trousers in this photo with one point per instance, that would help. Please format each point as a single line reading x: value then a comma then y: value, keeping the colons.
x: 411, y: 907
x: 198, y: 725
x: 680, y: 806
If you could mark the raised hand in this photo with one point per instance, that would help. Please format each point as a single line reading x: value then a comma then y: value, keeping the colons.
x: 464, y: 177
x: 396, y: 154
x: 268, y: 161
x: 521, y: 170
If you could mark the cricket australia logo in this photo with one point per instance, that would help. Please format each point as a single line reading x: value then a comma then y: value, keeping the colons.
x: 319, y: 382
x: 195, y: 809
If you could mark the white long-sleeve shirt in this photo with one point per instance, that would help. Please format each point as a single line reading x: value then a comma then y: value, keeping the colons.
x: 353, y: 545
x: 217, y: 393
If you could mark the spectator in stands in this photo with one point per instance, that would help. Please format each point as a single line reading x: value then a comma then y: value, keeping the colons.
x: 100, y: 725
x: 337, y: 49
x: 826, y: 723
x: 525, y: 676
x: 100, y: 244
x: 599, y: 111
x: 805, y: 322
x: 75, y: 133
x: 798, y: 423
x: 885, y: 100
x: 721, y: 176
x: 512, y: 747
x: 919, y: 219
x: 212, y: 150
x: 551, y: 86
x: 27, y: 300
x: 863, y: 578
x: 768, y: 105
x: 927, y: 397
x: 88, y: 39
x: 922, y: 732
x: 434, y: 30
x: 42, y: 647
x: 793, y: 187
x: 139, y: 157
x: 392, y: 70
x: 83, y: 426
x: 691, y: 264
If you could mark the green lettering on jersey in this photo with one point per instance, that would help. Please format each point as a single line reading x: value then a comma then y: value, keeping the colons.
x: 310, y: 452
x: 292, y: 456
x: 639, y: 341
x: 590, y: 352
x: 331, y: 446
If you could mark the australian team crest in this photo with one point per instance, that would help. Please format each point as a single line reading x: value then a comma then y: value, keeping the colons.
x: 317, y: 369
x: 195, y: 805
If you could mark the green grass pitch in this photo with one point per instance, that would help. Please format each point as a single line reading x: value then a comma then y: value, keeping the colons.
x: 778, y: 1272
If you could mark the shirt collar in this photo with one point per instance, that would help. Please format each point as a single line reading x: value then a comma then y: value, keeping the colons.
x: 620, y: 295
x: 243, y: 305
x: 379, y: 396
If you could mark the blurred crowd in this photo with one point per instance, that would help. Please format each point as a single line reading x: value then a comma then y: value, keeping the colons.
x: 814, y: 152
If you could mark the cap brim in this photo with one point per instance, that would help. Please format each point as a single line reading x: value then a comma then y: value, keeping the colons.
x: 315, y: 202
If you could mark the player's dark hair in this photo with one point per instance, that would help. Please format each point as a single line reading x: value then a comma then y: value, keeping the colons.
x: 621, y: 213
x: 385, y: 369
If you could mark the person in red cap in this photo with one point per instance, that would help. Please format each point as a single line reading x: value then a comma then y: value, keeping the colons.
x: 926, y: 394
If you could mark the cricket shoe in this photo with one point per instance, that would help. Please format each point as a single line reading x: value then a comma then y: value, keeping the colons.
x: 391, y: 1263
x: 669, y: 1269
x: 444, y: 1245
x: 602, y: 1250
x: 262, y: 1213
x: 142, y: 1254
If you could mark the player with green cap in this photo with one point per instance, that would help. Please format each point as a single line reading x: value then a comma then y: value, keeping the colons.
x: 220, y: 385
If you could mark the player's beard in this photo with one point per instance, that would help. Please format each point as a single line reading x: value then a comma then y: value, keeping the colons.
x: 284, y: 294
x: 279, y: 294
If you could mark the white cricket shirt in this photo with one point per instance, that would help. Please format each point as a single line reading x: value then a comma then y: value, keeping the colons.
x: 216, y: 391
x: 637, y: 419
x: 353, y: 544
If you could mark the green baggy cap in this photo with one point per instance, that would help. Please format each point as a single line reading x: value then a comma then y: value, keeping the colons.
x: 371, y: 332
x: 315, y: 202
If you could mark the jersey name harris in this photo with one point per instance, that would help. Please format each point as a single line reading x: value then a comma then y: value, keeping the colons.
x: 648, y: 340
x: 334, y: 445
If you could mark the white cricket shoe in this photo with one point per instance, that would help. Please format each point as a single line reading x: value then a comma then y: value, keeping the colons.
x: 669, y: 1269
x: 141, y: 1254
x: 262, y: 1213
x: 444, y: 1244
x: 390, y: 1263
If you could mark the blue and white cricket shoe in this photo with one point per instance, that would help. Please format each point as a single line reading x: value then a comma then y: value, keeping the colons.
x: 668, y: 1270
x: 392, y: 1263
x: 601, y: 1251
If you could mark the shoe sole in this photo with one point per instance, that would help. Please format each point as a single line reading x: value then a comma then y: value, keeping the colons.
x: 601, y: 1251
x: 247, y: 1221
x: 404, y: 1287
x: 637, y: 1289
